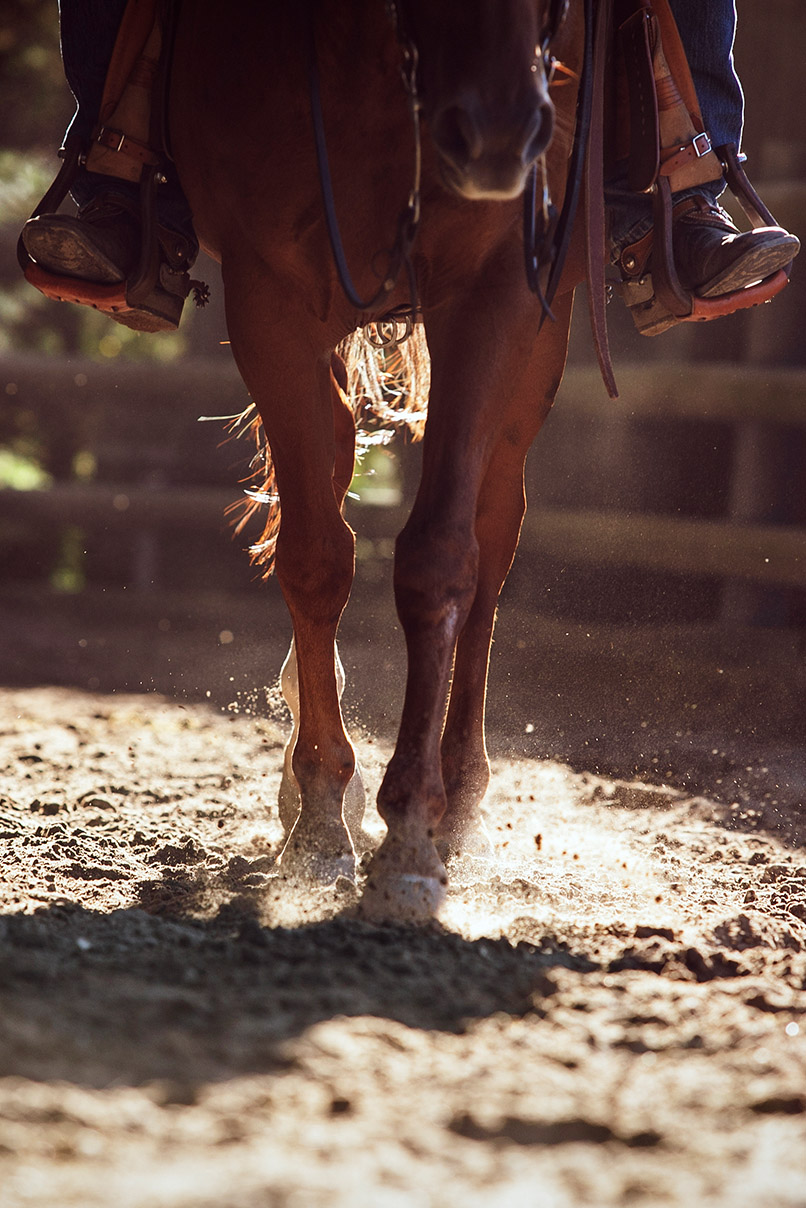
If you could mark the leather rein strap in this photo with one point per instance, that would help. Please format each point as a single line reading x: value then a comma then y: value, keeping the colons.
x: 409, y: 218
x: 595, y: 207
x: 546, y: 244
x: 546, y: 247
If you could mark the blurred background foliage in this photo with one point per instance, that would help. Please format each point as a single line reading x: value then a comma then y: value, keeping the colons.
x: 35, y: 102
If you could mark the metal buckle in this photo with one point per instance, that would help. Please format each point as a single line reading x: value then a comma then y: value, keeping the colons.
x: 106, y: 138
x: 701, y: 144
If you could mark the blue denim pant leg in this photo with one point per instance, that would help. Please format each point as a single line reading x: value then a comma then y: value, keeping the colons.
x: 88, y: 32
x: 707, y: 29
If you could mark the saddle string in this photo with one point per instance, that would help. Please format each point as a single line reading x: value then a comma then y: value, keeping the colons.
x: 576, y: 165
x: 399, y: 257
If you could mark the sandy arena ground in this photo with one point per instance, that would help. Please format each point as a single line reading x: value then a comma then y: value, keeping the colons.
x: 610, y: 1012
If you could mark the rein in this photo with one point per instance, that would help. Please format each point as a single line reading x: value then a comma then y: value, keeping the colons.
x: 409, y: 218
x: 545, y: 244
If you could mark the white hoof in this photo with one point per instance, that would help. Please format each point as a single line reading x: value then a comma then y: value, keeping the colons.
x: 405, y: 899
x: 317, y: 855
x: 315, y: 869
x: 406, y: 882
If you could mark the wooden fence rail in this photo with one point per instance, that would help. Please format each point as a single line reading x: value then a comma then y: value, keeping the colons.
x: 133, y: 417
x: 771, y: 555
x: 152, y: 394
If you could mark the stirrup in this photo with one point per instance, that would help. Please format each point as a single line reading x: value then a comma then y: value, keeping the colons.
x: 151, y: 298
x: 657, y: 300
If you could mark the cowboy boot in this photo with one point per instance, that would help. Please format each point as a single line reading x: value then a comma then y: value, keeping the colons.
x: 713, y: 257
x: 101, y: 243
x: 100, y: 249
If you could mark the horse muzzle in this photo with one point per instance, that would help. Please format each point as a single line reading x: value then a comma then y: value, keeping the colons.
x: 483, y: 159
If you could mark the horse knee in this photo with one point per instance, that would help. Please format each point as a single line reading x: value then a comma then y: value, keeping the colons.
x: 435, y: 576
x: 316, y: 576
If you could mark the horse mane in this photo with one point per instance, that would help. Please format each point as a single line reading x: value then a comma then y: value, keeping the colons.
x: 387, y: 391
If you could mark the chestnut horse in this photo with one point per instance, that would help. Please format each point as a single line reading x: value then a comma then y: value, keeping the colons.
x: 242, y: 138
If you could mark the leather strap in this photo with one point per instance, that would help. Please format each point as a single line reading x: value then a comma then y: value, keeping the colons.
x: 594, y: 207
x: 668, y: 290
x: 576, y: 163
x: 634, y: 258
x: 674, y: 158
x: 399, y: 256
x: 128, y: 96
x: 676, y: 59
x: 666, y: 131
x: 741, y: 188
x: 116, y: 140
x: 135, y: 26
x: 635, y: 35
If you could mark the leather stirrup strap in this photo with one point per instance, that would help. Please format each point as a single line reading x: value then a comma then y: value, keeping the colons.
x: 676, y: 59
x: 644, y: 151
x: 668, y: 289
x: 594, y: 201
x: 741, y: 188
x: 136, y: 24
x: 121, y: 144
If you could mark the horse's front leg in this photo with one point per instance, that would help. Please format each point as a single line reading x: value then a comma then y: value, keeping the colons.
x: 530, y: 388
x: 289, y: 795
x: 289, y: 800
x: 489, y: 395
x: 291, y: 388
x: 436, y: 573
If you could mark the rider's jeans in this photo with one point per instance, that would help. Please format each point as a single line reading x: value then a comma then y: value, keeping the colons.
x: 707, y: 29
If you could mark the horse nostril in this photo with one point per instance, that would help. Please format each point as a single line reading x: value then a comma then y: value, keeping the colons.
x: 457, y: 135
x: 539, y: 137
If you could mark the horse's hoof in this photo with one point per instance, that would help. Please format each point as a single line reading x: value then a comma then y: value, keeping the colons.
x: 316, y: 872
x: 317, y: 859
x: 288, y: 801
x: 406, y: 883
x: 406, y: 899
x: 355, y: 803
x: 472, y: 842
